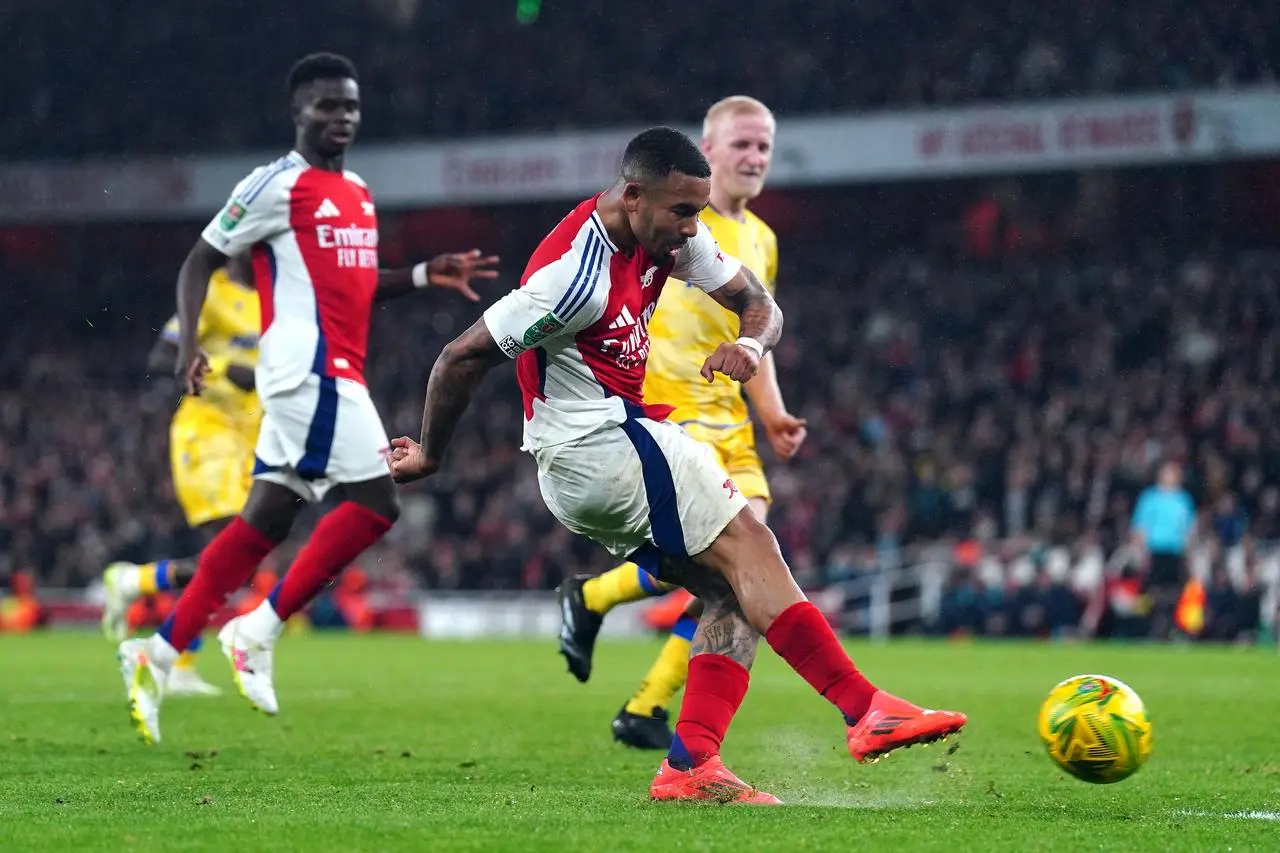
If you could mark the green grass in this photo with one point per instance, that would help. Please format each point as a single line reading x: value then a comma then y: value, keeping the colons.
x: 394, y: 743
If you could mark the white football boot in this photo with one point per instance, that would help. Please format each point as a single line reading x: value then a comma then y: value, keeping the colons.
x: 145, y: 667
x: 251, y: 665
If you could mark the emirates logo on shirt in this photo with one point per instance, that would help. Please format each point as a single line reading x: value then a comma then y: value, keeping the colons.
x: 630, y: 347
x: 354, y: 246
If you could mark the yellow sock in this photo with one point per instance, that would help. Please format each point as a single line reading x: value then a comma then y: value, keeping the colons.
x: 155, y: 577
x: 621, y: 585
x: 186, y: 660
x: 668, y: 673
x: 147, y: 579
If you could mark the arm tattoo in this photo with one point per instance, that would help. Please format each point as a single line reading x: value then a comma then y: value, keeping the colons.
x: 455, y: 375
x: 758, y: 315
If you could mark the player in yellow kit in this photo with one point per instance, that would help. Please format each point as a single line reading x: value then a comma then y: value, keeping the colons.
x: 737, y: 138
x: 211, y: 441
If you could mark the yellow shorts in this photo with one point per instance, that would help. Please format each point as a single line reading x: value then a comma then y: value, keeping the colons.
x: 735, y: 446
x: 212, y: 470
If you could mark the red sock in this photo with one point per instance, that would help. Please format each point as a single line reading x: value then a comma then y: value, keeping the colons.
x: 225, y: 565
x: 712, y: 695
x: 801, y: 636
x: 338, y: 539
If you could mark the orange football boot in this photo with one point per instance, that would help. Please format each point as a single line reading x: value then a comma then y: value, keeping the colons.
x: 892, y: 723
x: 709, y: 782
x: 663, y: 614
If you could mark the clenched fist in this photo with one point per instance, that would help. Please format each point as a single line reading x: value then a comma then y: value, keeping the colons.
x: 408, y: 462
x: 736, y: 361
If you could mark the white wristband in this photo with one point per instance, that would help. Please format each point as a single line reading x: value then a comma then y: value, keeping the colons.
x: 751, y: 344
x: 419, y: 274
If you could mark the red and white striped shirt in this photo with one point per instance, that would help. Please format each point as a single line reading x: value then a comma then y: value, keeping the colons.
x: 314, y: 239
x: 578, y: 326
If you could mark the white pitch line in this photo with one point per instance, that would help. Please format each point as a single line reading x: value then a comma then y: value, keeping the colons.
x: 1245, y: 815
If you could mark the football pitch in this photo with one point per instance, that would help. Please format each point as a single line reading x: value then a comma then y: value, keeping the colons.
x: 396, y: 743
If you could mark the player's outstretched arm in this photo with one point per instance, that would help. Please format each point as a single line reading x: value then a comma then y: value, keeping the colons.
x: 784, y: 430
x: 456, y: 374
x: 452, y: 271
x: 193, y: 286
x: 759, y: 327
x: 454, y: 377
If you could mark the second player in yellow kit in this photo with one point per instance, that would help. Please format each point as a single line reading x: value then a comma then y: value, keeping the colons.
x: 211, y: 438
x: 211, y: 441
x: 737, y: 139
x: 687, y: 326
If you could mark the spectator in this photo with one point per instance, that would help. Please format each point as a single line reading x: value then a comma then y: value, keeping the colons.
x: 1229, y: 523
x: 1046, y: 608
x: 1222, y: 610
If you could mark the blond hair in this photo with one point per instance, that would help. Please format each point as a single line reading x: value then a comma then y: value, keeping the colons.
x: 733, y: 105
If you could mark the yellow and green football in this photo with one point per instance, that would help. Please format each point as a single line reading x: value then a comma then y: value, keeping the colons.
x: 1096, y: 728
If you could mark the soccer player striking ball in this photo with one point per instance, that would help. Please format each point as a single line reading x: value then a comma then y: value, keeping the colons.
x: 737, y: 139
x: 313, y: 233
x: 211, y: 441
x: 612, y: 468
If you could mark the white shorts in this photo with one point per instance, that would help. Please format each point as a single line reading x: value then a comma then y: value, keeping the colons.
x: 643, y: 483
x: 323, y: 433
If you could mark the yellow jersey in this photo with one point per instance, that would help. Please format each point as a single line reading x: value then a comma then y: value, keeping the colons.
x: 688, y: 325
x: 228, y: 333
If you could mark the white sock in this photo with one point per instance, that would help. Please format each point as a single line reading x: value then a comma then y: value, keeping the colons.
x: 261, y: 624
x: 162, y: 655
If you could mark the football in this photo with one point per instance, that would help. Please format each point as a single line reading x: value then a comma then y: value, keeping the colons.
x: 1096, y: 728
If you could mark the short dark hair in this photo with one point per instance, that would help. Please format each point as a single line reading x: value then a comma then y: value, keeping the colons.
x: 320, y: 66
x: 659, y: 151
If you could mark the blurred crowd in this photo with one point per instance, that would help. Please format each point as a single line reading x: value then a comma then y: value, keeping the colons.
x: 1081, y: 591
x: 158, y: 83
x: 1006, y: 412
x: 1013, y: 412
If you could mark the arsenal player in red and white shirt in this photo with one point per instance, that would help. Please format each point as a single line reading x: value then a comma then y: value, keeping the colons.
x: 612, y: 467
x: 312, y: 230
